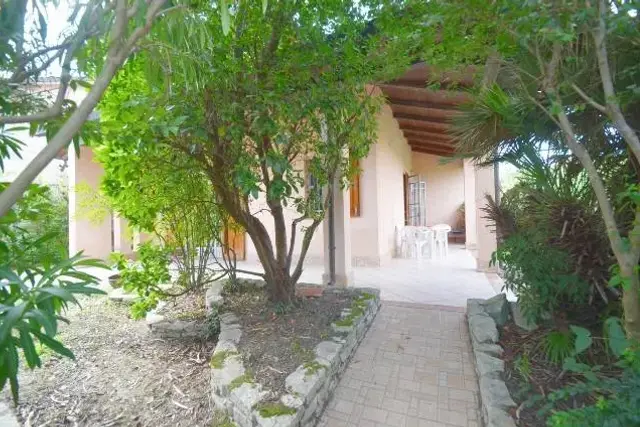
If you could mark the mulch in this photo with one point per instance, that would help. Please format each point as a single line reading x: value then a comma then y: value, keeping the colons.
x: 530, y: 389
x: 277, y: 339
x: 122, y: 376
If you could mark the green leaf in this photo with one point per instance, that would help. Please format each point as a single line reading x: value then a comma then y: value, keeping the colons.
x: 616, y: 338
x: 29, y: 349
x: 583, y: 339
x: 10, y: 319
x: 265, y: 3
x: 225, y: 17
x: 54, y: 345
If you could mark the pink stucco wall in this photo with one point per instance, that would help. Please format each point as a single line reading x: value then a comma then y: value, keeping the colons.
x: 94, y: 238
x: 445, y: 186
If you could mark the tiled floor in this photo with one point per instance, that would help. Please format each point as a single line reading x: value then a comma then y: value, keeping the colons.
x: 413, y: 369
x: 449, y: 281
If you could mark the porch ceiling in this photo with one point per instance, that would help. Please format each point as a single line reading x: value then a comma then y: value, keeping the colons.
x: 424, y: 114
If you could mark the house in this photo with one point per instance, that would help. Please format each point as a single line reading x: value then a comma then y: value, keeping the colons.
x: 408, y: 178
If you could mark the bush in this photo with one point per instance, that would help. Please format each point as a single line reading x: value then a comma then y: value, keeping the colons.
x: 615, y: 401
x: 145, y: 276
x: 541, y: 276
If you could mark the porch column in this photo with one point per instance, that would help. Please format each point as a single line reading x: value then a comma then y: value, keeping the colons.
x: 92, y: 237
x: 122, y: 241
x: 486, y: 237
x: 471, y: 231
x: 342, y: 230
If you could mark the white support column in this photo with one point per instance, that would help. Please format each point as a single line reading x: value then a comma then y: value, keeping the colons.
x: 486, y: 237
x: 342, y: 230
x: 470, y: 224
x: 122, y: 239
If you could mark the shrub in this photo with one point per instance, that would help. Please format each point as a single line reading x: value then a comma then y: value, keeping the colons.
x: 614, y: 401
x: 541, y: 276
x: 145, y: 276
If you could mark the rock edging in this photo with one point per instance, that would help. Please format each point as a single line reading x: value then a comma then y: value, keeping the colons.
x: 309, y: 387
x: 484, y: 317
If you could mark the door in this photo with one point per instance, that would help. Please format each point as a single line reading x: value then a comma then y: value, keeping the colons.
x: 234, y: 242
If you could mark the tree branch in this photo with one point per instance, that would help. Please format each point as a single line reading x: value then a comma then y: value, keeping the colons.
x: 613, y: 106
x: 62, y: 138
x: 589, y: 100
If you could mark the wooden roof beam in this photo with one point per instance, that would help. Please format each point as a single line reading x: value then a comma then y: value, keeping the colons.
x: 433, y: 114
x: 424, y: 95
x: 417, y: 124
x: 429, y: 136
x: 433, y: 151
x: 424, y: 143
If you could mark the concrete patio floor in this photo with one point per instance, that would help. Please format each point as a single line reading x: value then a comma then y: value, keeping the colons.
x: 449, y: 281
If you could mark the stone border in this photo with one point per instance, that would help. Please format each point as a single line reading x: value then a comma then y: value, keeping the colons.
x: 184, y: 329
x: 309, y: 387
x: 484, y: 317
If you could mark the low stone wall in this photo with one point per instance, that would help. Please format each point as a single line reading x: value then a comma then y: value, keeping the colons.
x: 309, y: 387
x: 484, y: 317
x: 165, y: 327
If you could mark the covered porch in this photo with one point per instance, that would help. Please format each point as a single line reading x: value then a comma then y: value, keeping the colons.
x: 441, y: 281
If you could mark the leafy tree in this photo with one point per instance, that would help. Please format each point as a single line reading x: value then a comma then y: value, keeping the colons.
x: 100, y: 37
x: 556, y: 58
x: 252, y: 101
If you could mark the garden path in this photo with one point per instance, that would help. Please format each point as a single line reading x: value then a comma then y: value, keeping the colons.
x: 413, y: 369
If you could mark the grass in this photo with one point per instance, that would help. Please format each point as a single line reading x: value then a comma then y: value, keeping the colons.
x: 217, y: 360
x: 269, y: 410
x: 358, y: 306
x: 220, y: 419
x: 312, y: 367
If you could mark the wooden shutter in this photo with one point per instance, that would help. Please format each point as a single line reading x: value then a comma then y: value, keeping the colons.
x: 355, y: 191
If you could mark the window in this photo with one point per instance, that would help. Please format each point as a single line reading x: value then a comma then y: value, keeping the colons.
x: 354, y: 191
x: 417, y: 202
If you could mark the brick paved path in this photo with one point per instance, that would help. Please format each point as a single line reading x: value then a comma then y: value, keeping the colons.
x: 413, y: 369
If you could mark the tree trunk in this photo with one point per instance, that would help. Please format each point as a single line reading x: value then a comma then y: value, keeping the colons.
x: 631, y: 297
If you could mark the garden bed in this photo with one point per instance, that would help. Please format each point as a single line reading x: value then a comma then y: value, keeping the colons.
x: 530, y: 375
x: 122, y: 376
x: 278, y: 365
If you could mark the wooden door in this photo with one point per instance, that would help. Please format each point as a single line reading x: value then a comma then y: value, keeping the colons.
x: 234, y: 242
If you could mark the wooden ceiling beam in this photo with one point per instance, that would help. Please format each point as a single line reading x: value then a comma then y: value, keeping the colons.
x: 433, y: 151
x: 439, y: 124
x: 433, y: 114
x: 421, y: 73
x: 444, y: 108
x: 435, y: 144
x: 408, y: 122
x: 424, y: 95
x: 429, y: 136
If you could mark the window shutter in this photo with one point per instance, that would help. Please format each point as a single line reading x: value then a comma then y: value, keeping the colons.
x: 355, y: 191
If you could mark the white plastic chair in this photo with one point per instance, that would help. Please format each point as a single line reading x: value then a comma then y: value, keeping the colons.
x: 441, y: 239
x: 425, y: 237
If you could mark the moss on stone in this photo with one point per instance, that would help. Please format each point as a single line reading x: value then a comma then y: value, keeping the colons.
x: 271, y: 409
x: 192, y: 315
x: 366, y: 296
x: 220, y: 419
x: 245, y: 378
x: 217, y: 360
x: 347, y: 321
x: 312, y: 367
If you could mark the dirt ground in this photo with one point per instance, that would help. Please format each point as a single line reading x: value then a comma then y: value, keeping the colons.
x: 122, y: 376
x: 276, y: 340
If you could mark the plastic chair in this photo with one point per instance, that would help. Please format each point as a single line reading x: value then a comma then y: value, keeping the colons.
x: 441, y: 239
